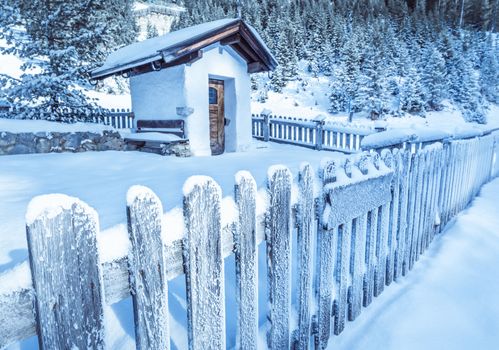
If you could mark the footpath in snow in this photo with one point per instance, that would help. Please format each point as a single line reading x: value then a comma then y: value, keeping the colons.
x: 449, y: 300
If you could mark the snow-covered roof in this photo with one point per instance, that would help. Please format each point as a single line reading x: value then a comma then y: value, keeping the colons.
x: 180, y: 46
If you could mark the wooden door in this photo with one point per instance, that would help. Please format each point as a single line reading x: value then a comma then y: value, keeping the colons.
x: 217, y: 116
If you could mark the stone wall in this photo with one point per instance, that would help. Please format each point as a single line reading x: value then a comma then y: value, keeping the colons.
x: 46, y: 142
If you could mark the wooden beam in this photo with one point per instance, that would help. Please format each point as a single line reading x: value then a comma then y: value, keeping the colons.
x: 208, y: 41
x: 249, y: 50
x: 233, y: 39
x: 255, y: 67
x: 186, y: 59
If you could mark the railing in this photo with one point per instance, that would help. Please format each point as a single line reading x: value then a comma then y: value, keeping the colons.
x: 316, y: 134
x: 370, y: 217
x: 119, y: 119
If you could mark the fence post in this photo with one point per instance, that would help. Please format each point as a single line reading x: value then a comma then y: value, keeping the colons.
x: 203, y: 264
x: 246, y: 262
x: 279, y: 257
x: 66, y: 273
x: 266, y: 124
x: 305, y: 225
x: 147, y: 270
x: 319, y: 126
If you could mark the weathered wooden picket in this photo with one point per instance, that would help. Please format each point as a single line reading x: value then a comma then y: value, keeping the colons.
x: 359, y: 224
x: 315, y: 133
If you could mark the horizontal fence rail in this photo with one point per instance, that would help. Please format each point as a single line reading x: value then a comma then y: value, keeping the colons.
x: 359, y: 224
x: 316, y: 134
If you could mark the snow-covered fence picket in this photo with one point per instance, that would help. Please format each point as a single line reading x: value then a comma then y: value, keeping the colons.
x: 66, y: 272
x: 358, y: 225
x: 315, y: 133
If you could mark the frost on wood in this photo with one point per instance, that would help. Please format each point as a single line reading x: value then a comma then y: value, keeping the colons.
x: 246, y: 262
x: 358, y: 250
x: 306, y: 224
x: 404, y: 167
x: 326, y: 251
x: 381, y: 249
x: 203, y: 264
x: 417, y: 207
x: 147, y: 269
x: 346, y: 201
x: 279, y: 256
x: 392, y: 160
x: 66, y: 273
x: 341, y: 275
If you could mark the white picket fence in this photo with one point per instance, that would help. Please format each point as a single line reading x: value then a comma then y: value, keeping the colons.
x: 316, y: 134
x: 359, y: 224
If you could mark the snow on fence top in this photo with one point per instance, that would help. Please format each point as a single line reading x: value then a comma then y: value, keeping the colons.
x: 395, y: 137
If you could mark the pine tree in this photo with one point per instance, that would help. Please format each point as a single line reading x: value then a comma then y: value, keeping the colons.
x: 489, y: 75
x: 338, y: 98
x: 411, y: 94
x: 433, y: 78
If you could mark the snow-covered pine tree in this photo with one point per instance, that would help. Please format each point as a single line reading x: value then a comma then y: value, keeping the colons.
x: 412, y: 94
x: 489, y: 73
x: 338, y: 101
x: 433, y: 78
x: 372, y: 95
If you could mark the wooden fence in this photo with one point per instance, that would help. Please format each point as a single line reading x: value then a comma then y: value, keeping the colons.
x: 359, y: 224
x: 119, y: 119
x: 316, y: 134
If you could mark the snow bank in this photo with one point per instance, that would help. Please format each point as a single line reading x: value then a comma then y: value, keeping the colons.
x: 113, y: 243
x: 13, y: 280
x: 16, y: 126
x: 173, y: 226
